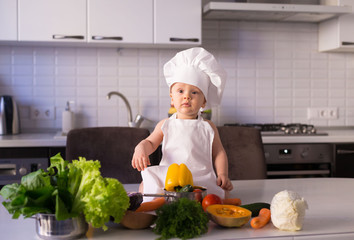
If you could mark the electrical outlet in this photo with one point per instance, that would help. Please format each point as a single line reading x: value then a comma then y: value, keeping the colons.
x: 332, y: 113
x: 322, y: 113
x: 43, y: 113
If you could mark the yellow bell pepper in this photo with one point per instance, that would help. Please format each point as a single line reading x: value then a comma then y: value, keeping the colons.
x: 178, y: 175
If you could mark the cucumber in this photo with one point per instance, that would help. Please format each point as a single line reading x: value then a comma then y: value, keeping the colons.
x: 256, y: 207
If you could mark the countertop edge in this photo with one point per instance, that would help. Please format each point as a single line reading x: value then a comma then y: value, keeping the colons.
x: 335, y: 135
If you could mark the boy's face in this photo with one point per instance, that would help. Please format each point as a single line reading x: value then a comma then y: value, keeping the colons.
x: 187, y: 99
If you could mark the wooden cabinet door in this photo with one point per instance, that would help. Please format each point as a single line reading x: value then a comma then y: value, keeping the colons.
x: 52, y: 20
x: 178, y: 22
x: 120, y: 21
x: 8, y: 20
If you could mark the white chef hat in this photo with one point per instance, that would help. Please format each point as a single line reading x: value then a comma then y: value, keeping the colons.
x: 198, y: 67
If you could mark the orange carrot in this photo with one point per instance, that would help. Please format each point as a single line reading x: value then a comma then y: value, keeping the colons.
x: 152, y: 205
x: 232, y: 201
x: 262, y: 219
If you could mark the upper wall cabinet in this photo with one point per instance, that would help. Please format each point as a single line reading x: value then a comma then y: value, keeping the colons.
x: 8, y: 20
x: 120, y: 21
x: 337, y: 35
x: 178, y: 22
x: 52, y: 20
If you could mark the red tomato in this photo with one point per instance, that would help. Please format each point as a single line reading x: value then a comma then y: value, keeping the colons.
x: 198, y: 194
x: 211, y: 199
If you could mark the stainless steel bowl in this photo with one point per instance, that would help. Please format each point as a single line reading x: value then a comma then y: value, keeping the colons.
x: 173, y: 196
x: 48, y: 227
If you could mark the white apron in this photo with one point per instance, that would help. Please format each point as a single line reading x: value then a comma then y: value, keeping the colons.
x: 185, y: 141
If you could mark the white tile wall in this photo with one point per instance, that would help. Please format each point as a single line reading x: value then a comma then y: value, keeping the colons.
x: 274, y: 74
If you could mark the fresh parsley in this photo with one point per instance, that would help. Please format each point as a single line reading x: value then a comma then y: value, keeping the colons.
x: 183, y: 219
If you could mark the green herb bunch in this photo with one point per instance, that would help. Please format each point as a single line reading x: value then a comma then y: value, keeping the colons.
x: 183, y: 219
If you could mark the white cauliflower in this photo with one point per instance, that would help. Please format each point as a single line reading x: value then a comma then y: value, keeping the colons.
x: 288, y: 210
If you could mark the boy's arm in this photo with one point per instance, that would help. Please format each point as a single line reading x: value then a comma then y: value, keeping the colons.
x: 220, y: 161
x: 147, y: 146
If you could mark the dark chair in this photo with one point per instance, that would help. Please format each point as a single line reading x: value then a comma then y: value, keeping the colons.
x: 112, y: 146
x: 244, y: 149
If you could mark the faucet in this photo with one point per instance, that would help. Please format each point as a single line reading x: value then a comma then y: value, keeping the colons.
x: 138, y: 119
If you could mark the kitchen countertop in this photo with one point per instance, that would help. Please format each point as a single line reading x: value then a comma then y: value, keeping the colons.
x: 330, y: 214
x: 56, y: 139
x: 335, y: 135
x: 43, y: 139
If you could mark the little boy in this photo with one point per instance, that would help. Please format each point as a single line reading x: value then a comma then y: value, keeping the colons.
x: 195, y: 79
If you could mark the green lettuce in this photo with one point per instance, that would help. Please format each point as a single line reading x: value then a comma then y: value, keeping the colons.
x: 97, y: 197
x: 68, y: 190
x: 82, y: 177
x: 107, y: 198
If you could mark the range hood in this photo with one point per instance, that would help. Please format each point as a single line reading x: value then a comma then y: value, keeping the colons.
x: 272, y: 12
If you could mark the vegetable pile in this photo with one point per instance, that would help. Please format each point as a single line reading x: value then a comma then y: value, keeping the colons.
x: 68, y: 190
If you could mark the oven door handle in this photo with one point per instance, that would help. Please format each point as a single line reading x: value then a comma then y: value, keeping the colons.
x: 298, y: 172
x: 342, y: 151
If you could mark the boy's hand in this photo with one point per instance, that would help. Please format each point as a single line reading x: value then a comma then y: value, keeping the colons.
x: 224, y: 182
x: 140, y: 160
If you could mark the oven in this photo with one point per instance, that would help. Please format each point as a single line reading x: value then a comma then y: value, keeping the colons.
x: 12, y: 169
x: 299, y: 160
x: 295, y: 160
x: 17, y: 162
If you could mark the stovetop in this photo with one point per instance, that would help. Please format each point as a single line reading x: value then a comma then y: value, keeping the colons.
x: 280, y: 129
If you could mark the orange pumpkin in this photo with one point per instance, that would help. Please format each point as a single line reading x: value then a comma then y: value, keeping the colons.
x: 228, y: 215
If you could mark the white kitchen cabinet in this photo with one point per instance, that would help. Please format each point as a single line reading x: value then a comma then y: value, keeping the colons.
x: 159, y: 22
x: 8, y: 20
x: 52, y: 20
x: 120, y: 21
x: 178, y: 22
x: 124, y: 23
x: 337, y: 35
